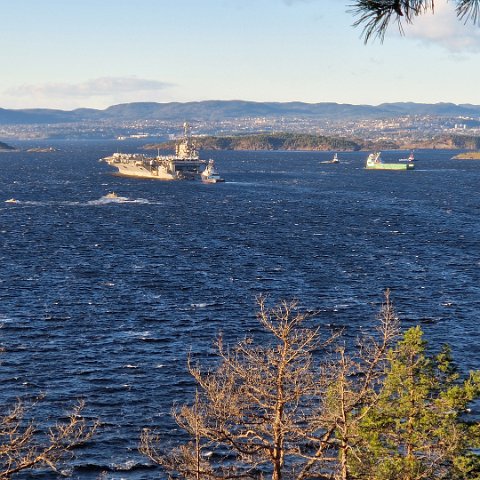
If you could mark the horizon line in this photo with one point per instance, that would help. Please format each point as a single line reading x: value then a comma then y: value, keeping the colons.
x: 241, y: 101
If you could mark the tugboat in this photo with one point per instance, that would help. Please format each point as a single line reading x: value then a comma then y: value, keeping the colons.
x: 210, y: 174
x: 184, y: 165
x: 335, y: 159
x: 374, y: 162
x: 410, y: 158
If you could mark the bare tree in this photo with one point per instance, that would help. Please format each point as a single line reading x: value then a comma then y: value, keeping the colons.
x: 25, y: 445
x: 254, y: 410
x: 376, y: 15
x: 276, y: 409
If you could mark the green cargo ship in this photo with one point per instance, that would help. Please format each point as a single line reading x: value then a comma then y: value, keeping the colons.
x: 374, y: 162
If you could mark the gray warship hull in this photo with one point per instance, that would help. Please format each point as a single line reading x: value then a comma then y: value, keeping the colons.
x: 160, y: 167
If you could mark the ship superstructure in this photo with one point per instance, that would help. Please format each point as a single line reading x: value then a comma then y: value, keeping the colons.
x: 184, y: 165
x: 210, y: 174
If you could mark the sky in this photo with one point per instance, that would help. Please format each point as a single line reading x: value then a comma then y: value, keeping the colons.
x: 69, y: 54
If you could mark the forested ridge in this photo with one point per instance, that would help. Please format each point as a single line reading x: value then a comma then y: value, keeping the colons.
x: 312, y: 142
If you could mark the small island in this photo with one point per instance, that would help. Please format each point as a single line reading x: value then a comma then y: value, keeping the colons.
x: 265, y: 141
x: 5, y: 147
x: 467, y: 156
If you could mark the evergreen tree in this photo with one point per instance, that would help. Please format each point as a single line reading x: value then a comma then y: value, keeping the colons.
x: 417, y: 429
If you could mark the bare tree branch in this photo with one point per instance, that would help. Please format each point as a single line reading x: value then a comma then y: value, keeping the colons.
x: 23, y: 446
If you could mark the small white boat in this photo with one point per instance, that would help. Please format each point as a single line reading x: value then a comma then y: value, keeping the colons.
x: 11, y: 200
x: 410, y: 158
x: 335, y: 159
x: 112, y: 197
x: 210, y: 174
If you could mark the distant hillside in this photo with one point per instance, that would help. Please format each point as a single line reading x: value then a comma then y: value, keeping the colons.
x: 278, y: 141
x: 4, y: 146
x: 218, y: 110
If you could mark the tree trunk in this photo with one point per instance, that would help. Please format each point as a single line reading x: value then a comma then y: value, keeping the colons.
x: 344, y: 473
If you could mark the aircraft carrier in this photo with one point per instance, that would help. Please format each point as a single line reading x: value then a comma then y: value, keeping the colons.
x: 184, y: 165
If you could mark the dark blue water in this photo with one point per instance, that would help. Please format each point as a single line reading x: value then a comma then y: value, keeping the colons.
x: 103, y: 300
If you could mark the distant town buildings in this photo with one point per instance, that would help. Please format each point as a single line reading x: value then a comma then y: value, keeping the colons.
x: 402, y: 131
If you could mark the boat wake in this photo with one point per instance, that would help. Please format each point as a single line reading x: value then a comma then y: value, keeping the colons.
x: 105, y: 200
x: 205, y: 304
x: 108, y: 199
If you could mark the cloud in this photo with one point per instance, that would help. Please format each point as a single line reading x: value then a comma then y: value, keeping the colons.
x: 444, y: 28
x: 91, y: 88
x: 95, y: 93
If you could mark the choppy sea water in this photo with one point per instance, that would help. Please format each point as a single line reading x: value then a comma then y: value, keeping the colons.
x: 103, y: 299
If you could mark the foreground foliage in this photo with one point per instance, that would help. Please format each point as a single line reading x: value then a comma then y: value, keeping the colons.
x: 375, y: 16
x: 303, y: 406
x: 415, y: 430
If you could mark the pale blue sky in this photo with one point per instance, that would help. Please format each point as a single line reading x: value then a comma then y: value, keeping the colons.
x: 95, y: 53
